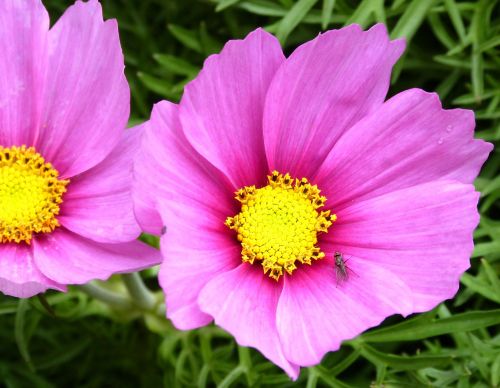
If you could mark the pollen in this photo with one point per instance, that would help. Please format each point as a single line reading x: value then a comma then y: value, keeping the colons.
x: 278, y: 224
x: 30, y: 194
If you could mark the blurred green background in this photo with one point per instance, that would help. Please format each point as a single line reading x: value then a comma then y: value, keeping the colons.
x: 73, y: 340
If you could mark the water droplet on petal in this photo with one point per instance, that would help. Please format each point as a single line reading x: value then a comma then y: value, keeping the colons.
x: 449, y: 128
x: 440, y: 141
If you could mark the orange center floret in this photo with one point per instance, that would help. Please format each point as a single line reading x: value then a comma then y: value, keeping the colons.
x: 278, y: 224
x: 30, y: 194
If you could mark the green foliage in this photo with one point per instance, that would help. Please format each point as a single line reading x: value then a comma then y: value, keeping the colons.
x: 74, y: 339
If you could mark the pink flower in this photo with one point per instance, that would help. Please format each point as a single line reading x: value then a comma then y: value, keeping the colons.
x: 66, y: 212
x: 278, y: 267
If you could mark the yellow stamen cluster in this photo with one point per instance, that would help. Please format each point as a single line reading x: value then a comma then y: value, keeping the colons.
x: 278, y: 224
x: 30, y: 194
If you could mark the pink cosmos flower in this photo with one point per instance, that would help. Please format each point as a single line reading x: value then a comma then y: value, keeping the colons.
x: 348, y: 208
x: 66, y: 212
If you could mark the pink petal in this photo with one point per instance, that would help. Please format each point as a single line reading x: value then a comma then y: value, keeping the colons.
x: 196, y: 247
x: 316, y: 313
x: 168, y: 167
x: 221, y: 111
x: 19, y: 275
x: 324, y: 87
x: 70, y: 259
x: 408, y: 141
x: 194, y: 199
x: 243, y: 302
x: 23, y: 38
x: 422, y: 234
x: 86, y: 95
x: 144, y: 198
x: 98, y: 204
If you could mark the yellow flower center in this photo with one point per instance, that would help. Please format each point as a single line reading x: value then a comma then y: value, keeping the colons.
x: 30, y: 194
x: 278, y: 224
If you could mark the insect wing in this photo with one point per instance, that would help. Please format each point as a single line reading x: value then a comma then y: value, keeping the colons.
x: 341, y: 273
x: 341, y: 269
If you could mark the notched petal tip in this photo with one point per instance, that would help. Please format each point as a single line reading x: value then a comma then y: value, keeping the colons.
x: 456, y: 117
x: 91, y: 6
x: 398, y: 45
x: 232, y: 47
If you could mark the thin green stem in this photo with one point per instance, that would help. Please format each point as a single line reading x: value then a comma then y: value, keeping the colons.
x: 142, y: 297
x: 111, y: 298
x: 312, y: 378
x: 231, y: 377
x: 246, y: 363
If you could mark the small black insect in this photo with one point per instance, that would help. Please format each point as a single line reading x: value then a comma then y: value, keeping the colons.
x: 341, y: 269
x: 164, y: 230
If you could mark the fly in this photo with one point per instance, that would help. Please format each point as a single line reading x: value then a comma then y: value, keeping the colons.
x: 341, y: 269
